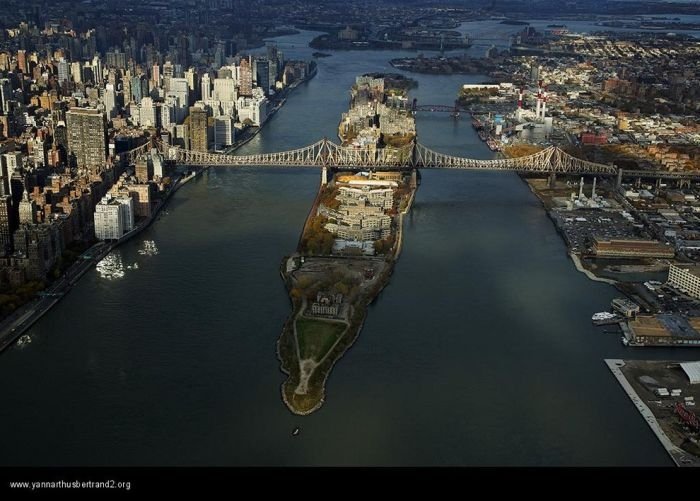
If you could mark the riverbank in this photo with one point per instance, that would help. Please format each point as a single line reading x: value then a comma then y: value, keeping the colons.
x: 16, y: 325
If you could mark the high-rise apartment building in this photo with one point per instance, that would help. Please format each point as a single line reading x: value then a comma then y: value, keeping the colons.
x: 87, y: 137
x: 246, y: 79
x: 6, y: 224
x: 262, y: 74
x: 198, y: 129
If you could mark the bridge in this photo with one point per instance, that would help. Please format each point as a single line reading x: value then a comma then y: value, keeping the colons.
x: 329, y: 155
x: 326, y: 154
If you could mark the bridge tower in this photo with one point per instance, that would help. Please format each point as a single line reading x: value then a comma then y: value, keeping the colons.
x: 324, y: 161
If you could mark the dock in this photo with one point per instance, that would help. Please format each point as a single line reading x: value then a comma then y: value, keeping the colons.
x: 678, y: 455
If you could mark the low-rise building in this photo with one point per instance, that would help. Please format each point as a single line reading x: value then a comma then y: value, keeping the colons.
x: 327, y: 304
x: 631, y: 248
x: 625, y: 307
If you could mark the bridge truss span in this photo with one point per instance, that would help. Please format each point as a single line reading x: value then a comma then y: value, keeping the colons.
x: 549, y: 160
x: 328, y: 154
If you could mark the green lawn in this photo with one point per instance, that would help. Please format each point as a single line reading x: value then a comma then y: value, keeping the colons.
x: 316, y: 337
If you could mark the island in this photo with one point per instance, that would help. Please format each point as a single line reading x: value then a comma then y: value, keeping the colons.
x: 350, y: 242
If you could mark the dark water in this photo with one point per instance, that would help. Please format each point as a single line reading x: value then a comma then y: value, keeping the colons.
x: 480, y: 351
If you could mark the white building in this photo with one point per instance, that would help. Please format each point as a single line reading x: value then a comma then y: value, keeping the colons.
x: 253, y: 108
x: 147, y: 112
x: 76, y: 72
x: 206, y: 87
x: 224, y: 132
x: 127, y: 209
x: 224, y: 89
x: 179, y: 89
x: 110, y: 101
x: 158, y: 170
x: 686, y: 278
x: 109, y: 219
x: 692, y: 370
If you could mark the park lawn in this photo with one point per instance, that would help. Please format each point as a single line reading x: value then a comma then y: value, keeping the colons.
x: 317, y: 337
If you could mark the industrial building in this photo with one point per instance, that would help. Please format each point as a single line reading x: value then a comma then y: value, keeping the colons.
x: 692, y: 370
x: 631, y: 248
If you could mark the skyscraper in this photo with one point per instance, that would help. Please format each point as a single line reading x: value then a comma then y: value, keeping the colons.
x: 179, y: 88
x: 192, y: 81
x: 262, y: 74
x: 76, y: 73
x: 63, y: 71
x: 198, y: 129
x: 206, y: 87
x: 246, y: 79
x: 87, y: 137
x: 5, y: 94
x: 110, y: 100
x: 22, y: 60
x: 6, y: 224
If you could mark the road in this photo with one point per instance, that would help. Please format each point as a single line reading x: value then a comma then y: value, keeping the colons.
x: 19, y: 321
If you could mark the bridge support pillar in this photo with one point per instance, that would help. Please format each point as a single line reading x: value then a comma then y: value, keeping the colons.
x: 619, y: 178
x: 324, y: 176
x: 552, y: 180
x: 414, y: 179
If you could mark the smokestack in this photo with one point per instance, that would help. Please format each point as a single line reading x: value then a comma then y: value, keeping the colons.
x: 593, y: 192
x: 539, y: 103
x: 580, y: 190
x: 544, y: 105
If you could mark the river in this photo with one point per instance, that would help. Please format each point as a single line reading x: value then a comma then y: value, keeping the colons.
x: 479, y: 352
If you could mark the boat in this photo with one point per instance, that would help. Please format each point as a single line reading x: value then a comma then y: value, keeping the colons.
x: 24, y: 340
x: 624, y: 341
x: 602, y: 315
x: 296, y: 431
x: 605, y: 318
x: 493, y: 145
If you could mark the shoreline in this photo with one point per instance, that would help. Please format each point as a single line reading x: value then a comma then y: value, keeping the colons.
x: 34, y: 310
x: 675, y: 452
x: 573, y: 256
